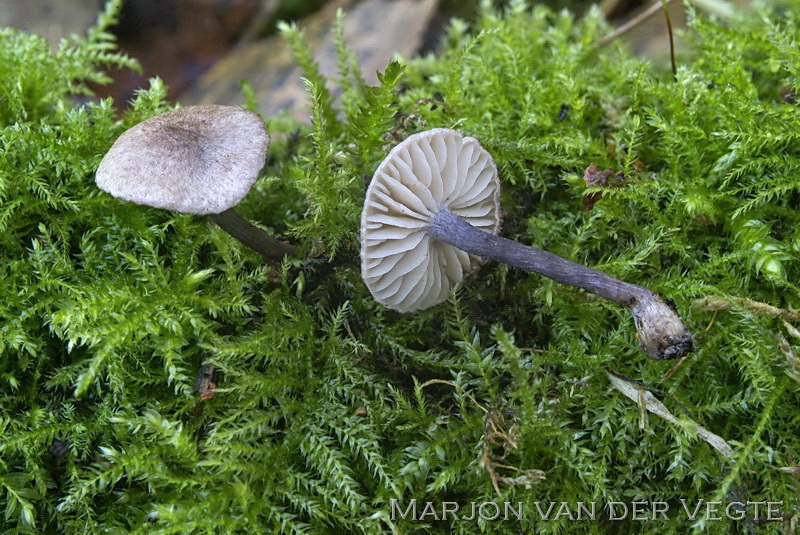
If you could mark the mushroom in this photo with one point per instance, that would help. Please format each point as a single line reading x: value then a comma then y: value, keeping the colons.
x: 198, y: 160
x: 432, y: 212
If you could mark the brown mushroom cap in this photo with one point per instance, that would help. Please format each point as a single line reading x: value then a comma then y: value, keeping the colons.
x: 197, y: 160
x: 404, y: 268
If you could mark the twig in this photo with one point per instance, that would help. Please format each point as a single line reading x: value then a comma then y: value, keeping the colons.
x: 258, y: 22
x: 675, y: 368
x: 719, y: 8
x: 671, y: 40
x: 635, y: 21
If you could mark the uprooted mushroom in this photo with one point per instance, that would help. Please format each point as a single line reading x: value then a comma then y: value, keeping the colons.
x: 432, y: 211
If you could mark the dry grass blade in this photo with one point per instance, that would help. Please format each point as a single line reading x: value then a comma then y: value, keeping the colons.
x: 649, y: 403
x: 791, y: 357
x: 713, y: 303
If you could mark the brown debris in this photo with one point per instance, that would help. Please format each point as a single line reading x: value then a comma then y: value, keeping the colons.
x: 179, y: 40
x: 647, y: 402
x: 714, y: 303
x: 593, y: 176
x: 205, y: 384
x: 374, y: 30
x: 499, y: 440
x: 787, y: 94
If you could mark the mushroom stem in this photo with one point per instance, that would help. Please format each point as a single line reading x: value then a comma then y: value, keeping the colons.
x: 661, y: 333
x: 252, y: 236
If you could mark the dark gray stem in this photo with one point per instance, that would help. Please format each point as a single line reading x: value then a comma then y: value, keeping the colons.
x: 252, y: 236
x: 660, y: 330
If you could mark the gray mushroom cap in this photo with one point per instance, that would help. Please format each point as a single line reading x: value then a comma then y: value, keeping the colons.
x: 197, y: 160
x: 404, y: 268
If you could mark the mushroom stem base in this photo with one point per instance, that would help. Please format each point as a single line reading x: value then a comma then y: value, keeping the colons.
x: 252, y: 236
x: 661, y: 333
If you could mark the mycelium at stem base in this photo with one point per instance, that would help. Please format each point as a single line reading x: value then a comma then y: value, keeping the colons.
x: 661, y: 333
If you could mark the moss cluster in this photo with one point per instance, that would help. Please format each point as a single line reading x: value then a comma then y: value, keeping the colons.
x: 328, y: 406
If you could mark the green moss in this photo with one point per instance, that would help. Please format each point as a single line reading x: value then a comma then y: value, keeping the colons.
x: 329, y: 406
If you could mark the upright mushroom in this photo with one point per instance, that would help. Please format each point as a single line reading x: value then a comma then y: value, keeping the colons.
x: 198, y: 160
x: 432, y: 211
